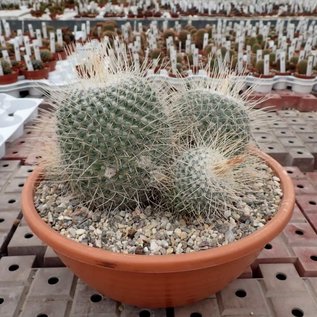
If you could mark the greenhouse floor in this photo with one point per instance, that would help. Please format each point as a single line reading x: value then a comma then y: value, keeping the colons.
x: 282, y: 282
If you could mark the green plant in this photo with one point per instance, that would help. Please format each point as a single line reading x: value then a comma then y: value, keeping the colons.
x: 302, y: 67
x: 37, y: 65
x: 123, y: 131
x: 6, y: 67
x: 259, y: 67
x: 273, y: 61
x: 123, y: 141
x: 256, y: 47
x: 46, y: 56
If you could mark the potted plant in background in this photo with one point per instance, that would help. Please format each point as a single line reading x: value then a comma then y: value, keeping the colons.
x: 48, y: 59
x: 39, y: 72
x: 303, y: 80
x: 9, y: 76
x: 167, y: 168
x: 263, y: 83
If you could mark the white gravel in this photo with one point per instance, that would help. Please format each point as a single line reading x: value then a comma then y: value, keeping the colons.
x: 148, y: 231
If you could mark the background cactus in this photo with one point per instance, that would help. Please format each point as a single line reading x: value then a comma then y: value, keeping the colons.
x: 6, y: 67
x: 302, y: 67
x: 259, y: 67
x: 37, y: 65
x: 46, y: 56
x: 111, y: 140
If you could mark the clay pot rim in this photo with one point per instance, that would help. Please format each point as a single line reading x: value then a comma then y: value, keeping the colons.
x: 162, y: 263
x: 301, y: 76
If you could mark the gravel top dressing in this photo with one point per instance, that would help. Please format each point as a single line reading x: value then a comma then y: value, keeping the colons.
x: 153, y: 232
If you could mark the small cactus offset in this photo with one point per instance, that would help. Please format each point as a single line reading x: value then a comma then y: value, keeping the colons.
x: 203, y: 113
x: 206, y: 181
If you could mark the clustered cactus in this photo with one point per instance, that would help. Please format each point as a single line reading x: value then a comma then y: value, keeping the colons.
x: 123, y: 141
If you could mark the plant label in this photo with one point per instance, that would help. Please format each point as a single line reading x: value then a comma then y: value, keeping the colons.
x: 205, y: 40
x: 39, y: 37
x: 187, y: 46
x: 165, y: 25
x: 88, y: 27
x: 31, y: 31
x: 7, y: 30
x: 301, y: 55
x: 136, y: 60
x: 249, y: 54
x: 259, y: 55
x: 17, y: 50
x: 283, y: 62
x: 291, y: 51
x: 240, y: 62
x: 27, y: 45
x: 44, y: 30
x: 5, y: 56
x: 140, y: 27
x: 52, y: 42
x: 1, y: 70
x: 266, y: 70
x: 3, y: 41
x: 309, y: 65
x: 36, y: 49
x: 299, y: 42
x: 59, y: 37
x: 83, y: 31
x: 173, y: 61
x: 195, y: 57
x: 20, y: 36
x: 28, y: 63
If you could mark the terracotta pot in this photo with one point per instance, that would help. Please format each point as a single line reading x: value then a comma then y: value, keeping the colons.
x: 37, y: 74
x: 60, y: 55
x: 301, y: 76
x: 9, y: 78
x: 51, y: 65
x: 160, y: 280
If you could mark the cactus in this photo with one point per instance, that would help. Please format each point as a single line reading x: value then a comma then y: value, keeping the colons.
x: 111, y: 139
x: 121, y: 143
x: 256, y: 47
x: 46, y: 56
x: 202, y: 114
x: 259, y: 66
x: 199, y: 38
x: 169, y: 33
x: 205, y: 182
x: 37, y: 65
x: 6, y: 67
x: 302, y: 67
x: 182, y: 36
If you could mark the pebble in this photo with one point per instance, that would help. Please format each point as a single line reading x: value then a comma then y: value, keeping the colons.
x: 147, y: 231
